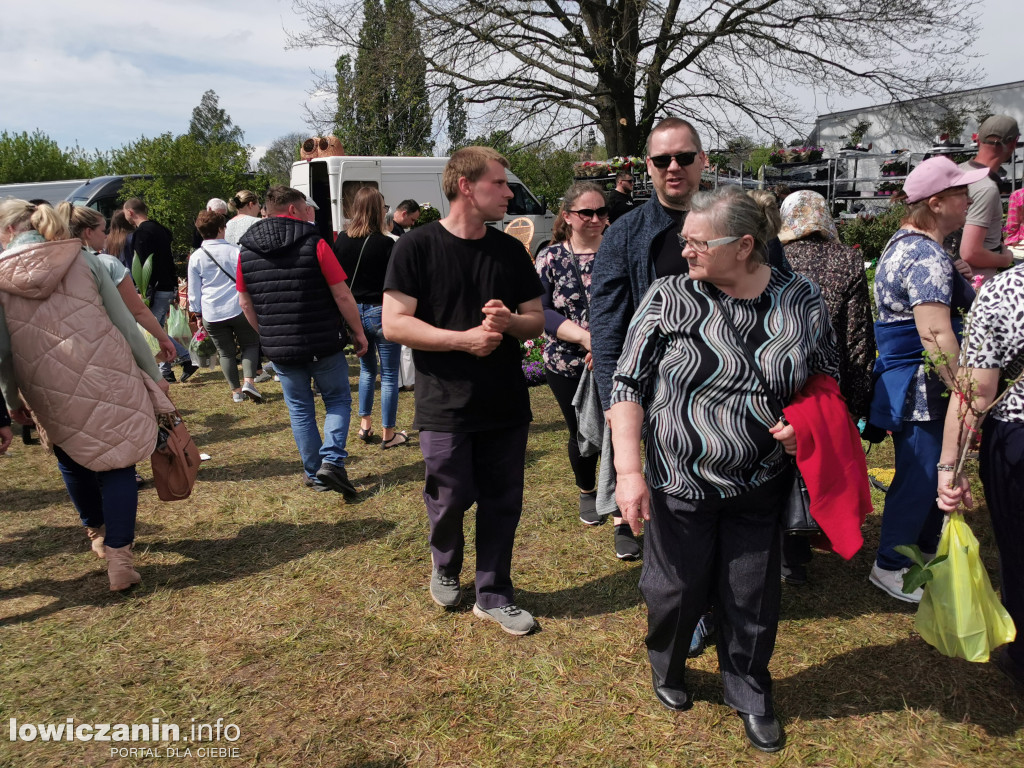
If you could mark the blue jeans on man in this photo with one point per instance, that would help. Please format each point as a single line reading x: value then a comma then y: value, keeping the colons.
x: 160, y: 307
x: 331, y: 376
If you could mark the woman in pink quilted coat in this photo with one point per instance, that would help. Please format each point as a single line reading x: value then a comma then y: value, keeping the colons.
x: 73, y: 360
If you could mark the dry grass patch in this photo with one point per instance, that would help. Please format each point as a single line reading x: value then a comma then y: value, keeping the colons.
x: 306, y: 622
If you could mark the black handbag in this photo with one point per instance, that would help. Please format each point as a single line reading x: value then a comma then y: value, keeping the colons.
x: 795, y: 516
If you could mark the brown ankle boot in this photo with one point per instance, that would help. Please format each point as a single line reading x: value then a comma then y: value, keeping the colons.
x: 121, y: 568
x: 96, y: 537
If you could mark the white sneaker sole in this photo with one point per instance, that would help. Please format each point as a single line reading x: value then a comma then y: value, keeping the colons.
x: 898, y: 595
x: 480, y: 613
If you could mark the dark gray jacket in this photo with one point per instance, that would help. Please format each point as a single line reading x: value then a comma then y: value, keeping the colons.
x: 623, y: 271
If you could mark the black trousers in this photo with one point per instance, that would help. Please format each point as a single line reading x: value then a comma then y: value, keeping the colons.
x: 485, y: 468
x: 1001, y: 466
x: 584, y: 468
x: 726, y: 552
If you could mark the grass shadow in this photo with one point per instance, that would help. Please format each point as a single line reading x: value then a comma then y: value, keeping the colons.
x: 256, y: 548
x: 906, y: 674
x: 608, y: 594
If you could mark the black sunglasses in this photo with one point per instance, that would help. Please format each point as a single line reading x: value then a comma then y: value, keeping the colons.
x: 589, y: 213
x: 664, y: 161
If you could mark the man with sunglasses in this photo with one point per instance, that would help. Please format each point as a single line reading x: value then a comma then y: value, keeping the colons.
x: 620, y: 199
x: 981, y: 244
x: 641, y: 246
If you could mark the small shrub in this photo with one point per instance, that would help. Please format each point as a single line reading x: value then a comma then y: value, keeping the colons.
x: 871, y: 233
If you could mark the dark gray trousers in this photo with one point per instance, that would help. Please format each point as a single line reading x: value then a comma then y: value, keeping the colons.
x: 726, y: 552
x: 486, y: 468
x: 228, y: 337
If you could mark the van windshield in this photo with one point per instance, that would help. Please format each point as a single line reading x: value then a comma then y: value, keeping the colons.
x: 523, y: 203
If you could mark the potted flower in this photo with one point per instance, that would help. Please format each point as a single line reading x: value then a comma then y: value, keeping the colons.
x: 778, y: 156
x: 888, y: 188
x: 814, y: 154
x: 857, y: 134
x: 895, y: 168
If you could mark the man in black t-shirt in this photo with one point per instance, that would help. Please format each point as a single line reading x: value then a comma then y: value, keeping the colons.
x: 461, y: 295
x: 620, y: 199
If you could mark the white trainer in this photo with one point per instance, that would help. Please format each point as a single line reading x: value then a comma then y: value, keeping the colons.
x: 891, y: 582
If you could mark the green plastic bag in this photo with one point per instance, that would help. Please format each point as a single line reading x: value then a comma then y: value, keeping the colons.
x: 960, y: 614
x: 177, y: 326
x: 151, y: 342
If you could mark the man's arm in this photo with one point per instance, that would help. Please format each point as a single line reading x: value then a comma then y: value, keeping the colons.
x: 611, y: 307
x: 973, y: 251
x: 403, y: 327
x: 347, y: 305
x: 527, y: 324
x: 245, y: 301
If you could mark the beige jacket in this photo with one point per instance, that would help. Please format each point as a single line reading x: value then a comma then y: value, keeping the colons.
x: 75, y: 370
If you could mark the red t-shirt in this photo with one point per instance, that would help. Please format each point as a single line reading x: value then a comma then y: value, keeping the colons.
x: 329, y: 266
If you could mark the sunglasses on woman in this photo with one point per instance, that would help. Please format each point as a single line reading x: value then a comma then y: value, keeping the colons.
x: 664, y: 161
x: 590, y: 213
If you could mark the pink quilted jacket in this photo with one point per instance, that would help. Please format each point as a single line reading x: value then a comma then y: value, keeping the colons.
x: 74, y: 368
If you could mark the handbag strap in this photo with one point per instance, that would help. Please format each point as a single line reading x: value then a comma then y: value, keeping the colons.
x: 352, y: 282
x: 579, y: 278
x: 772, y: 397
x: 232, y: 279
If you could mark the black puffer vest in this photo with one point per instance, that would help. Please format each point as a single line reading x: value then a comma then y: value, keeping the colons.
x: 299, y: 319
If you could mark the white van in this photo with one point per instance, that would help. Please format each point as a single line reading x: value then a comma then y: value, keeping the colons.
x: 332, y: 182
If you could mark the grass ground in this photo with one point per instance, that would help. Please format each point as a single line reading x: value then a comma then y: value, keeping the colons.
x: 306, y: 622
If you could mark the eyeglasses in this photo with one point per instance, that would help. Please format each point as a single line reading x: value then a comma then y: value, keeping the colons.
x: 590, y: 213
x: 702, y: 246
x: 664, y: 161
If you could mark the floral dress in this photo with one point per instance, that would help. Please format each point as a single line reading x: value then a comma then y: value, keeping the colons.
x: 913, y: 270
x: 565, y: 298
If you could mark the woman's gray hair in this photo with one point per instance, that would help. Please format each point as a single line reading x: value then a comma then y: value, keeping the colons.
x: 734, y: 214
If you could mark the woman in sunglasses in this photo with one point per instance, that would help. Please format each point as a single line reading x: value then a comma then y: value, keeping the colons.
x: 564, y: 270
x: 717, y: 470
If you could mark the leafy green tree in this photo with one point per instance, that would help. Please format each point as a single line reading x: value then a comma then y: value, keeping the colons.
x: 28, y: 157
x: 457, y: 119
x: 544, y: 167
x: 211, y: 125
x: 185, y: 173
x: 383, y: 107
x: 276, y: 164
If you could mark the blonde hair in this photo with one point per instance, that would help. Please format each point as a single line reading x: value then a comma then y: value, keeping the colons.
x: 769, y: 206
x: 80, y: 218
x: 23, y: 216
x: 471, y: 163
x: 367, y: 214
x: 242, y: 199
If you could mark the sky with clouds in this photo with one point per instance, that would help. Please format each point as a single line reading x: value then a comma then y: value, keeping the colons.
x: 102, y: 74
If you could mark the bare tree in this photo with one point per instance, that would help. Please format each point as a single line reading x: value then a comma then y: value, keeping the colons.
x: 622, y: 64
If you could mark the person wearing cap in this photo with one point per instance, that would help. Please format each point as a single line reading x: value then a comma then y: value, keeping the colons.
x: 311, y: 209
x: 981, y: 245
x: 919, y: 296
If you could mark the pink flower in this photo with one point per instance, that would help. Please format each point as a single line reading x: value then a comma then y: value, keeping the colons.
x: 528, y: 343
x: 977, y: 281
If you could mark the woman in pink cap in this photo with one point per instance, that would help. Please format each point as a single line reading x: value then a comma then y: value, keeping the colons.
x: 920, y: 298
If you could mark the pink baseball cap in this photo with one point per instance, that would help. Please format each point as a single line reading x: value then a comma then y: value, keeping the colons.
x: 937, y: 174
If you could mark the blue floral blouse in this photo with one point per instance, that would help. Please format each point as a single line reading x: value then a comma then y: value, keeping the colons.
x: 913, y: 270
x: 564, y: 299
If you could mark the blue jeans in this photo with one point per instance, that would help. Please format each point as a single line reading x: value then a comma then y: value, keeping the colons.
x: 911, y: 515
x: 331, y: 375
x: 108, y: 498
x: 160, y: 307
x: 390, y: 356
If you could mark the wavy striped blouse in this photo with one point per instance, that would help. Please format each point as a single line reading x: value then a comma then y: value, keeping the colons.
x: 707, y: 417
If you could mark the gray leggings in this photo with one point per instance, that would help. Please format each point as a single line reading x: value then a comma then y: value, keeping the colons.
x: 228, y: 336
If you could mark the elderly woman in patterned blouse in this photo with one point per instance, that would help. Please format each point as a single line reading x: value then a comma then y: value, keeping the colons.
x: 717, y: 464
x: 919, y: 296
x: 994, y: 351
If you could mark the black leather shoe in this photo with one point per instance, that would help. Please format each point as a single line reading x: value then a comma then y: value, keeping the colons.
x: 677, y: 699
x: 336, y: 478
x: 764, y: 732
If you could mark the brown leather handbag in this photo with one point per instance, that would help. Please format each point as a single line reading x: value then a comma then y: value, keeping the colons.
x: 175, y: 460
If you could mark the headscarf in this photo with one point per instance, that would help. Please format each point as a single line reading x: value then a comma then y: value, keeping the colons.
x: 806, y: 213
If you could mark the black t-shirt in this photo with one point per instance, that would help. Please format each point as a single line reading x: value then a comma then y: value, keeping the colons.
x: 365, y: 273
x: 619, y: 204
x: 451, y: 280
x: 668, y: 256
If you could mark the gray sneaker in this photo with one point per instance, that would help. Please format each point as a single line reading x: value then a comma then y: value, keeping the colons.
x: 513, y: 620
x: 445, y: 590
